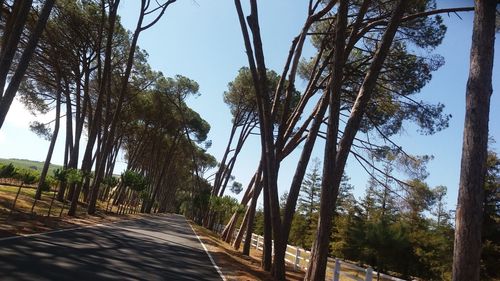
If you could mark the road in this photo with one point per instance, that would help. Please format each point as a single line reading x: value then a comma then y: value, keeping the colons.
x: 162, y: 247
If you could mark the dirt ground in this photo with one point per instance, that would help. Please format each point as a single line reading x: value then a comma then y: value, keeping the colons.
x: 236, y: 266
x: 21, y: 221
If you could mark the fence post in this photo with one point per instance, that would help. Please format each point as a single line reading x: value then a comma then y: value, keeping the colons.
x: 296, y: 264
x: 336, y: 270
x: 369, y: 273
x: 258, y: 242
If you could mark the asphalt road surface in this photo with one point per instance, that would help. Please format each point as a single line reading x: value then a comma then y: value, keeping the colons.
x: 161, y: 247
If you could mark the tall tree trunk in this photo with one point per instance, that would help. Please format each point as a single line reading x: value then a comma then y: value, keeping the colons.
x: 69, y: 137
x: 244, y: 134
x: 53, y: 140
x: 268, y: 234
x: 15, y: 81
x: 222, y: 167
x: 103, y: 92
x: 165, y: 168
x: 251, y: 218
x: 270, y: 165
x: 300, y: 171
x: 241, y: 231
x: 110, y: 139
x: 12, y: 36
x: 469, y: 215
x: 329, y: 190
x: 244, y: 201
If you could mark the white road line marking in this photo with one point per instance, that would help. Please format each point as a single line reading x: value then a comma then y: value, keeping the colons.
x: 208, y: 253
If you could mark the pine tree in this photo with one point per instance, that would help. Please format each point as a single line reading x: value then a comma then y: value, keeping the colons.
x: 310, y: 192
x: 308, y: 205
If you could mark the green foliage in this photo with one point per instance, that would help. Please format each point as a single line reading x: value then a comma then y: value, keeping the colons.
x: 236, y: 187
x: 26, y: 176
x: 240, y: 96
x: 49, y: 183
x: 134, y: 180
x: 74, y: 176
x: 7, y: 171
x: 60, y: 175
x: 308, y: 202
x: 394, y: 232
x: 259, y: 223
x: 490, y: 256
x: 224, y: 207
x: 41, y: 130
x: 45, y: 186
x: 27, y: 164
x: 407, y: 69
x: 110, y: 181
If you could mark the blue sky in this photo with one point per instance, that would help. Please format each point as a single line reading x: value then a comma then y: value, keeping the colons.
x: 202, y: 40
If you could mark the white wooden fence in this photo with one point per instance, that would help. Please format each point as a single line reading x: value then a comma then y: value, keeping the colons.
x: 299, y: 258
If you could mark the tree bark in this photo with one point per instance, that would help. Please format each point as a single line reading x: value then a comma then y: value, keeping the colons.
x: 251, y: 218
x: 53, y: 140
x: 319, y: 252
x: 15, y: 81
x: 12, y: 36
x: 469, y: 214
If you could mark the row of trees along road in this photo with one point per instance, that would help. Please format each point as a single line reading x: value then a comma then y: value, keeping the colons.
x: 372, y: 59
x: 88, y: 70
x: 395, y: 228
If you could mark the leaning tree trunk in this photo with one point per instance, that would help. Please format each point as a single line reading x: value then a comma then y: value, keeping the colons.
x: 13, y: 30
x: 53, y: 140
x: 467, y: 246
x: 319, y: 252
x: 15, y: 80
x: 251, y: 217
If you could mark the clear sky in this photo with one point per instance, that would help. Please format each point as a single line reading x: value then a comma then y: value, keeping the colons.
x: 202, y: 40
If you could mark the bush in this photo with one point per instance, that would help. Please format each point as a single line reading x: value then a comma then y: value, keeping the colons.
x: 74, y: 176
x: 60, y: 175
x: 134, y: 180
x: 26, y: 176
x: 7, y: 171
x: 45, y: 186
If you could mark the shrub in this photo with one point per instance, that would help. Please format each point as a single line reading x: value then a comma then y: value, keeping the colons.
x: 7, y: 171
x: 26, y: 176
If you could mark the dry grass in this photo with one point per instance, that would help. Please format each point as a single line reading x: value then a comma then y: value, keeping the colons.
x: 21, y: 221
x: 236, y: 266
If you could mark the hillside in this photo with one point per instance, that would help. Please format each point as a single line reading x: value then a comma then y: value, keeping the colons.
x: 28, y: 164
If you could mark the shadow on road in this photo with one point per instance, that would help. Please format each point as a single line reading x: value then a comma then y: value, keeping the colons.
x: 157, y: 248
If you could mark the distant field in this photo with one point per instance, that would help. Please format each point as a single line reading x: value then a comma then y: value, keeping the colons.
x: 28, y: 164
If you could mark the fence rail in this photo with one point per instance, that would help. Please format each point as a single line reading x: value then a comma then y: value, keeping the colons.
x: 299, y: 258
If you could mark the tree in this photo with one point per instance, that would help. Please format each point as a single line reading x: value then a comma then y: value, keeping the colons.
x: 269, y: 163
x: 53, y: 139
x: 467, y: 246
x: 60, y: 175
x: 240, y: 97
x: 25, y: 177
x: 148, y: 16
x: 335, y: 160
x: 416, y: 28
x: 15, y: 25
x: 309, y: 199
x: 308, y: 206
x: 236, y: 188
